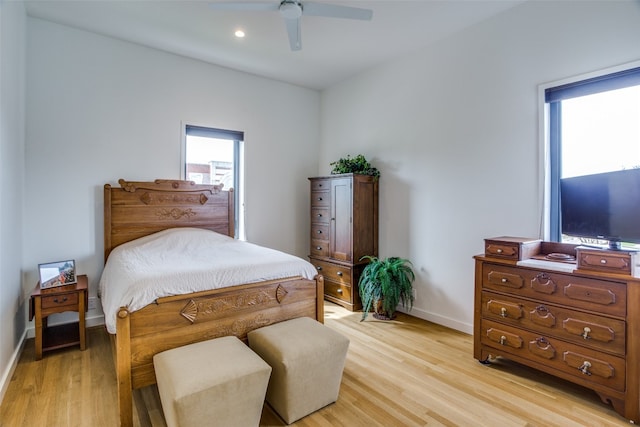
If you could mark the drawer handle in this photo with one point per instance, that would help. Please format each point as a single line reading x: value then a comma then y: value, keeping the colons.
x: 504, y: 280
x: 503, y: 340
x: 542, y: 309
x: 585, y: 368
x: 319, y: 268
x: 319, y: 231
x: 587, y: 331
x: 503, y: 312
x: 339, y: 273
x: 320, y: 199
x: 318, y: 248
x: 340, y: 291
x: 319, y: 215
x: 58, y: 302
x: 603, y: 261
x: 542, y: 342
x: 499, y: 251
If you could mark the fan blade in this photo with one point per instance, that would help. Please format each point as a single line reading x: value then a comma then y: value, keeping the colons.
x: 293, y: 29
x: 336, y: 11
x: 245, y: 6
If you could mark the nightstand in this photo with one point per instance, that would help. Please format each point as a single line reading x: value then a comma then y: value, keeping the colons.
x: 57, y: 300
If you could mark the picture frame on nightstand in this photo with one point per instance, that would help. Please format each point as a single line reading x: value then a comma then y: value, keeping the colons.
x: 59, y: 273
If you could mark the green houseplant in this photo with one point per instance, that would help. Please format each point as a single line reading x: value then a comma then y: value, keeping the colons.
x: 358, y: 164
x: 383, y: 284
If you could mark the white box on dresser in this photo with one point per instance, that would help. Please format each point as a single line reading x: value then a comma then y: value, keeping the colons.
x: 579, y: 321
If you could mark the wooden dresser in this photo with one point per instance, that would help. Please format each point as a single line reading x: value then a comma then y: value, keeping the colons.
x: 344, y: 228
x: 580, y: 322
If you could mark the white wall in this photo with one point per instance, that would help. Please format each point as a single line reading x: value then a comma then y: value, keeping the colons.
x: 12, y: 121
x: 454, y: 130
x: 100, y: 109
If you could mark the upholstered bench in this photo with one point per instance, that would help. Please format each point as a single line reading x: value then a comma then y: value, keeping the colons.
x: 219, y: 382
x: 307, y: 359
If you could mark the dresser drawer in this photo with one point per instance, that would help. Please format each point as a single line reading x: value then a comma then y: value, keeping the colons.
x: 605, y: 297
x: 502, y: 250
x: 514, y: 248
x: 613, y: 262
x: 319, y: 247
x: 337, y: 290
x: 334, y: 272
x: 320, y: 198
x: 589, y: 330
x: 585, y: 365
x: 64, y: 300
x: 320, y: 215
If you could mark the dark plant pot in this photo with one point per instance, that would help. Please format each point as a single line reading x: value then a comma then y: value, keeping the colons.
x: 380, y: 314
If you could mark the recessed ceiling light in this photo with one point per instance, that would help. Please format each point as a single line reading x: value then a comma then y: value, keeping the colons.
x: 239, y: 34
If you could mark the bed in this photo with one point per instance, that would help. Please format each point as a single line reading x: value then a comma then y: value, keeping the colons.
x: 137, y: 212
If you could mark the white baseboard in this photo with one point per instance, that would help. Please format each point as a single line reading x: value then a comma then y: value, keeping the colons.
x: 95, y: 321
x: 11, y: 367
x: 440, y: 320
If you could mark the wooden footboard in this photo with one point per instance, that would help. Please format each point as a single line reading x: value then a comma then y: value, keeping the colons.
x: 184, y: 319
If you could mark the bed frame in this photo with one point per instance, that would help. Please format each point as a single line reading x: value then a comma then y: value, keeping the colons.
x: 137, y: 209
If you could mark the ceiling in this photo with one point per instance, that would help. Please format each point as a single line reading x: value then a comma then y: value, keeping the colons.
x: 332, y: 49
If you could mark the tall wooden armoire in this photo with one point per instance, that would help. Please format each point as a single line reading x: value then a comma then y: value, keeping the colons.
x: 344, y: 228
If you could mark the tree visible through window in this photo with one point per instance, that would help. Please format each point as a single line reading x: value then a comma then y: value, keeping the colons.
x: 594, y: 127
x: 214, y: 156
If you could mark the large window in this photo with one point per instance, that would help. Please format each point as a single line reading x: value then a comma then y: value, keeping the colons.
x: 214, y: 156
x: 594, y: 127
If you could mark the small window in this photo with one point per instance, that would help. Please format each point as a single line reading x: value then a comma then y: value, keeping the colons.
x: 214, y: 156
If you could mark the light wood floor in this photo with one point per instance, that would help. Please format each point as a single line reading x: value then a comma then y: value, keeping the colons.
x: 407, y: 372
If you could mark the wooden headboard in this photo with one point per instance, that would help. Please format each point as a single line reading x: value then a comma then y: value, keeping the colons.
x: 137, y: 209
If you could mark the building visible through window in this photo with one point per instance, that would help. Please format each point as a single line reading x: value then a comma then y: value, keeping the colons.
x: 214, y: 156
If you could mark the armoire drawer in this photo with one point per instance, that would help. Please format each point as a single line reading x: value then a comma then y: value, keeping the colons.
x: 333, y: 272
x: 320, y: 184
x: 337, y: 290
x: 320, y: 215
x: 587, y: 366
x: 589, y: 330
x: 320, y: 198
x: 320, y: 231
x: 605, y: 297
x: 319, y: 247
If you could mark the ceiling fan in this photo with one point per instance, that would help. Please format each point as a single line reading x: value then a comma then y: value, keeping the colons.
x: 293, y: 10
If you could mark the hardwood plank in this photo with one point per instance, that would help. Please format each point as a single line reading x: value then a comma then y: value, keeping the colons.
x: 407, y: 372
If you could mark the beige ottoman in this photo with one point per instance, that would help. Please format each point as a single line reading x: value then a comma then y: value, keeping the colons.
x: 307, y: 360
x: 219, y: 382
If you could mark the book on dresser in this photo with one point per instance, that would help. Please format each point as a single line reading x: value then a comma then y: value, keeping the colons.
x: 344, y: 228
x: 569, y: 311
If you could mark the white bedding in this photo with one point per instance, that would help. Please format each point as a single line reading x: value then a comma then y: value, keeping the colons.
x: 184, y: 260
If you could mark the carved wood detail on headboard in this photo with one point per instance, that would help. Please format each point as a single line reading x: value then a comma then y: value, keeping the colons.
x: 175, y: 213
x: 158, y: 199
x: 168, y: 185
